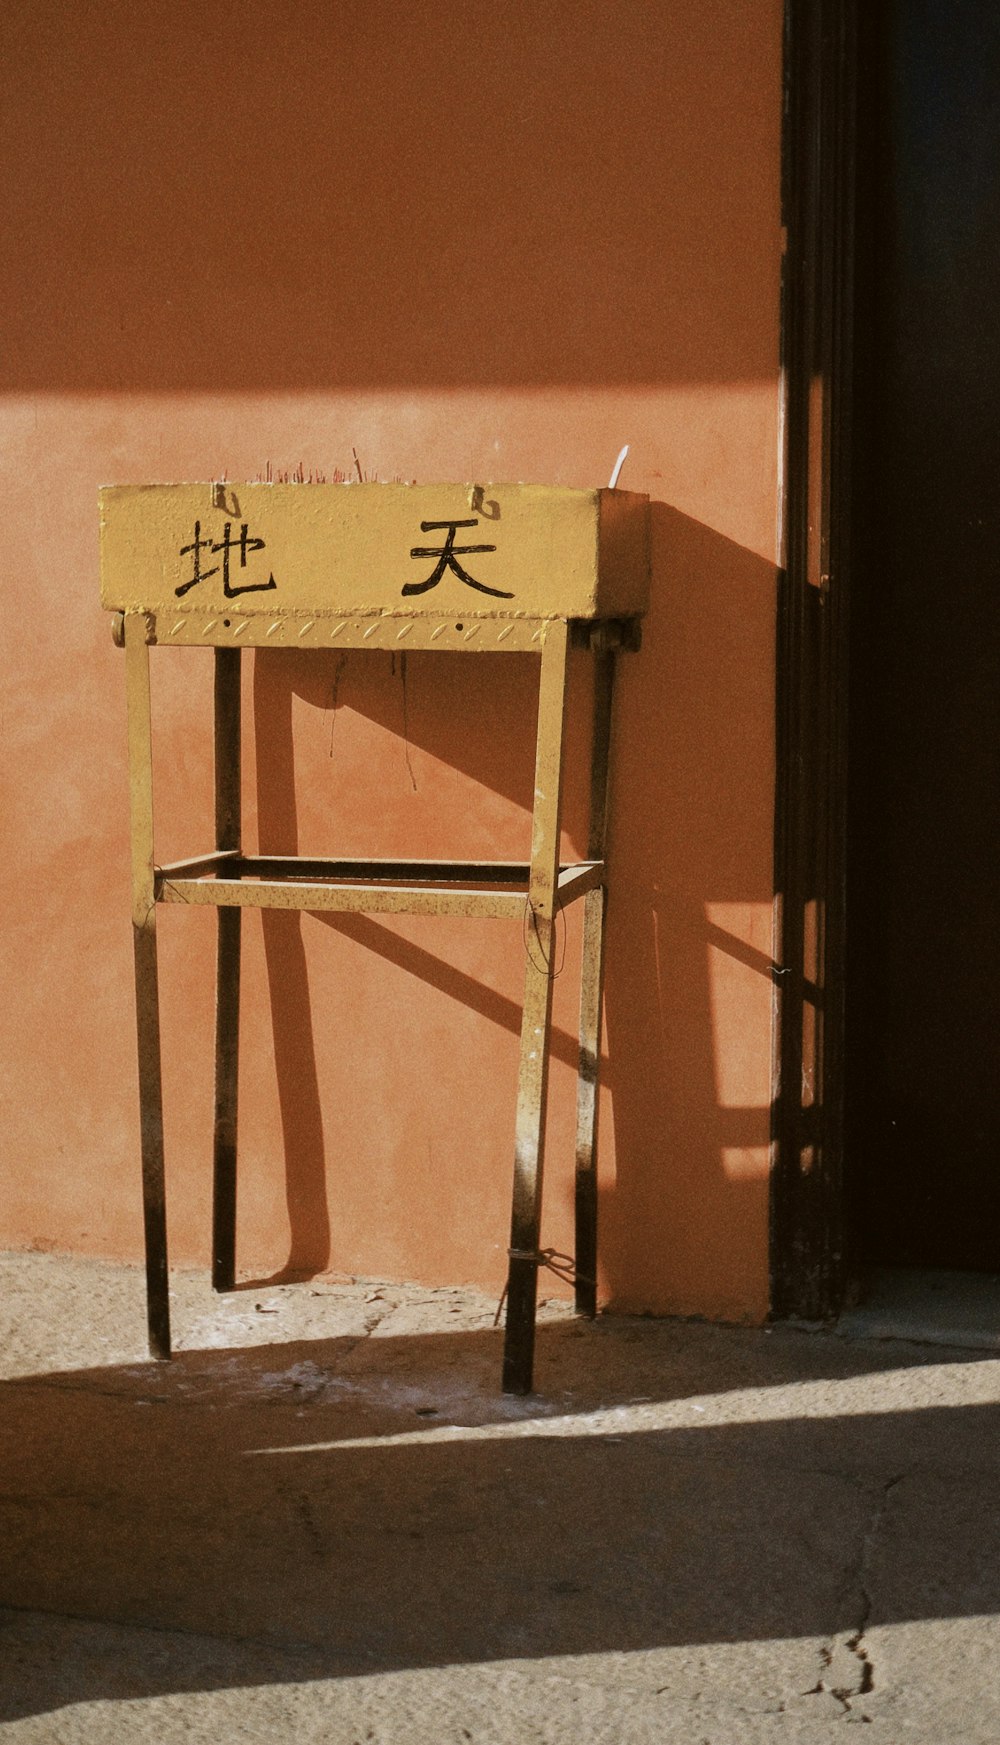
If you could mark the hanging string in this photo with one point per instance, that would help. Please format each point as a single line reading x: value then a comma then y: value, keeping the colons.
x: 563, y: 1265
x: 535, y: 952
x: 406, y: 722
x: 338, y: 672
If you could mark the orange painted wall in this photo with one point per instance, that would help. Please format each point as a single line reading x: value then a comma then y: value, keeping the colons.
x: 466, y: 243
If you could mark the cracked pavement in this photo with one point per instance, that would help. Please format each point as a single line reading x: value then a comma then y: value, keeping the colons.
x: 322, y: 1521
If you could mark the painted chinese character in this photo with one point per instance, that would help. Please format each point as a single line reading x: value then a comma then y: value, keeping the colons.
x: 447, y: 556
x: 227, y: 545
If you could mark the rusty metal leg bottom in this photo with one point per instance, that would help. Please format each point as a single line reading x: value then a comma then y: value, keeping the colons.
x: 591, y: 992
x: 227, y: 1004
x: 586, y: 1103
x: 147, y: 1001
x: 147, y: 1007
x: 227, y: 1021
x: 522, y: 1277
x: 519, y: 1338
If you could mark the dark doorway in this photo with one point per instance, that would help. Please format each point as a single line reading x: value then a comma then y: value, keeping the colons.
x: 923, y: 1013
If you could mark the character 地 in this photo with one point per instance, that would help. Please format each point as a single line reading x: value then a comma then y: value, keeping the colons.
x: 227, y: 545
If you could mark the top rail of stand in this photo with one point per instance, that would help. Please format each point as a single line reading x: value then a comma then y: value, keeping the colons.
x: 202, y: 559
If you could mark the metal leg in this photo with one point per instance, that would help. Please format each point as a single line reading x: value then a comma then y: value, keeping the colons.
x: 146, y: 986
x: 591, y: 990
x: 586, y: 1103
x: 227, y: 1004
x: 522, y: 1278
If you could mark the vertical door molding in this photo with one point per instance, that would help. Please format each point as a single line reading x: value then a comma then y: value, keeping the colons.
x: 810, y: 1264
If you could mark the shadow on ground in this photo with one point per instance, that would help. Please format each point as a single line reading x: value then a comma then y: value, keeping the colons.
x: 372, y: 1503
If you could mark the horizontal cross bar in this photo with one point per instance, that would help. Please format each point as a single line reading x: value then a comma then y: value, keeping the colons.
x: 575, y: 881
x: 199, y: 864
x: 358, y: 898
x: 418, y: 887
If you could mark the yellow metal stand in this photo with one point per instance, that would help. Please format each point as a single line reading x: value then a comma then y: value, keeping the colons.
x: 230, y: 881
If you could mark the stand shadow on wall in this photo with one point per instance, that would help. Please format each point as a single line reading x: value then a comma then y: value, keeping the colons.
x: 684, y: 1207
x: 288, y: 990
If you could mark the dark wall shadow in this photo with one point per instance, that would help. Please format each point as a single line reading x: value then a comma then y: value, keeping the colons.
x: 308, y: 196
x: 265, y: 1495
x: 924, y: 770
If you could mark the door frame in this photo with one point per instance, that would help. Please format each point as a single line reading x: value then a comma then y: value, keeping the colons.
x: 811, y: 1259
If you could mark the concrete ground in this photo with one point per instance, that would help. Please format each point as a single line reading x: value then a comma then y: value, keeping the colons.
x: 323, y: 1522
